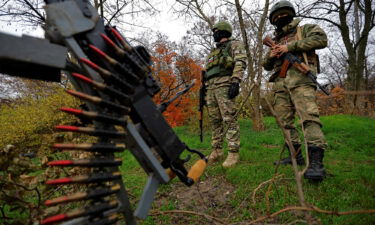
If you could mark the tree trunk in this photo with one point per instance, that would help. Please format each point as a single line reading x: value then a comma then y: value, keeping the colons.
x: 257, y: 116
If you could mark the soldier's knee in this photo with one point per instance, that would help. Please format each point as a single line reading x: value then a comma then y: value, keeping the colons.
x: 313, y: 123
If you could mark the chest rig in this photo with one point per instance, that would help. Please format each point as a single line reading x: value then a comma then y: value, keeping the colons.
x: 220, y: 62
x: 311, y: 56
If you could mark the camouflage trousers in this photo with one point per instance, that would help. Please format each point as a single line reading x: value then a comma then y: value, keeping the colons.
x: 301, y: 101
x: 221, y: 112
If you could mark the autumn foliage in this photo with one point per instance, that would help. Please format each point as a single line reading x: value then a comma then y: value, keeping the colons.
x: 174, y: 72
x: 340, y: 101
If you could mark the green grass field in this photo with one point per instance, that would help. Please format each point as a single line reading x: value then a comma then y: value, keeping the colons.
x: 227, y: 194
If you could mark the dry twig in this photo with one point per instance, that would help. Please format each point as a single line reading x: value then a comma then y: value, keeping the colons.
x: 298, y: 175
x: 264, y: 183
x: 310, y: 209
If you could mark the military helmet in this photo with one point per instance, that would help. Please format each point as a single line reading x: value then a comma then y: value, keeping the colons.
x: 281, y: 7
x: 224, y: 26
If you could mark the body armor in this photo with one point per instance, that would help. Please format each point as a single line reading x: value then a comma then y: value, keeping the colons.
x: 220, y: 61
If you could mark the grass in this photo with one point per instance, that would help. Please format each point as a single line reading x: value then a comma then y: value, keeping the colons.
x: 350, y: 183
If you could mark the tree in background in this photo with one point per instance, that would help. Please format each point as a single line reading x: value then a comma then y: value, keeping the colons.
x: 354, y: 20
x: 248, y: 25
x: 254, y: 51
x: 174, y: 71
x: 29, y: 14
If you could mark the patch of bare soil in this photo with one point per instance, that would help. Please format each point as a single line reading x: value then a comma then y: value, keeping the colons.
x: 210, y: 196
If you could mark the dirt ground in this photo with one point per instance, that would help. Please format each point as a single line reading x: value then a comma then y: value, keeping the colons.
x: 210, y: 196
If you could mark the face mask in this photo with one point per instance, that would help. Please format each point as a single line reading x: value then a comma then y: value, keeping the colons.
x: 218, y: 35
x: 283, y: 21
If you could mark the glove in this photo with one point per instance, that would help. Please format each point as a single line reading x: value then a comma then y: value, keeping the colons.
x: 234, y: 90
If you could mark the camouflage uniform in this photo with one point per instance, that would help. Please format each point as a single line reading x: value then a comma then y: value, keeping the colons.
x: 221, y: 109
x: 296, y: 92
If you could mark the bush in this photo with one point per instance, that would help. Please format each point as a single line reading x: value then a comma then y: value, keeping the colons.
x: 24, y: 122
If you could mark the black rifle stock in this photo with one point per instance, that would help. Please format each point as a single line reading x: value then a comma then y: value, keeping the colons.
x: 202, y: 103
x: 290, y: 59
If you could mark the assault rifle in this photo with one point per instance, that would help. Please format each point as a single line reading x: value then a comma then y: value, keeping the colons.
x: 292, y: 60
x: 202, y: 103
x: 114, y: 80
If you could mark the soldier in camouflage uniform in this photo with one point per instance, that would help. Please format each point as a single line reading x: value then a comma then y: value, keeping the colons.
x: 224, y: 69
x: 296, y: 92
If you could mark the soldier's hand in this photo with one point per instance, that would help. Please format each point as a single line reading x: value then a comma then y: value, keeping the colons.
x: 234, y: 90
x: 274, y: 53
x: 281, y: 49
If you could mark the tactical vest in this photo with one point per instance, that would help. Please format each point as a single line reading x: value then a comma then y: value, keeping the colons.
x: 220, y: 63
x: 312, y: 58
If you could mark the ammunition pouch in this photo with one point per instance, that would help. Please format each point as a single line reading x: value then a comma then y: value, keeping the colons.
x: 220, y: 63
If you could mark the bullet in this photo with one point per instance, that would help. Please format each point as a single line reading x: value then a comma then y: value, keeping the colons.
x: 146, y: 68
x: 91, y: 131
x: 87, y: 162
x: 92, y: 178
x: 106, y: 74
x: 95, y: 116
x: 117, y: 49
x: 105, y: 88
x: 118, y: 36
x: 92, y: 210
x: 129, y: 74
x: 83, y: 195
x: 99, y: 101
x: 98, y: 147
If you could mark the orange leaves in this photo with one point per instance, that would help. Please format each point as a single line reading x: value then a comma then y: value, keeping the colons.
x: 174, y: 71
x: 333, y: 104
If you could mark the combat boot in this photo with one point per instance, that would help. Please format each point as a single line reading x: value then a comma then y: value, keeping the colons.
x: 288, y: 160
x: 215, y: 155
x: 231, y: 160
x: 316, y: 170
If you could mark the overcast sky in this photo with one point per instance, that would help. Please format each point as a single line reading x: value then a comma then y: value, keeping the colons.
x: 165, y: 22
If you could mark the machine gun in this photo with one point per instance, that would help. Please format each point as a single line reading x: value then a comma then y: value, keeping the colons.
x: 114, y: 80
x: 292, y: 60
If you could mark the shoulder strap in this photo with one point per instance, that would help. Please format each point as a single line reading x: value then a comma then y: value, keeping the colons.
x: 299, y: 37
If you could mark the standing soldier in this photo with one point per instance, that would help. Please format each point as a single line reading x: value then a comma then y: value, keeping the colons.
x: 296, y: 92
x: 224, y: 69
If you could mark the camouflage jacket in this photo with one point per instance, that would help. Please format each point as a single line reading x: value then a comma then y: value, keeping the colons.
x: 238, y: 54
x: 313, y: 37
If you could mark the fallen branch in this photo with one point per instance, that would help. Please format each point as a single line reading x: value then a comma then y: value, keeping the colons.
x: 298, y: 175
x: 310, y: 209
x: 264, y: 183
